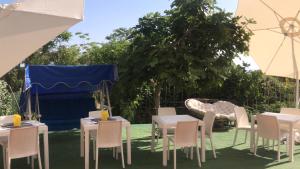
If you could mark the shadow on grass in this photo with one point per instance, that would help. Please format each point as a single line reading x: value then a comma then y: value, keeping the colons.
x: 65, y: 154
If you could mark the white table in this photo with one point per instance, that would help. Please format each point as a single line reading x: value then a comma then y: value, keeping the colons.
x: 288, y: 119
x: 43, y: 129
x: 168, y: 122
x: 86, y: 125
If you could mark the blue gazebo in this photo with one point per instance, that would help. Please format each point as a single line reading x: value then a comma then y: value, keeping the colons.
x: 61, y: 95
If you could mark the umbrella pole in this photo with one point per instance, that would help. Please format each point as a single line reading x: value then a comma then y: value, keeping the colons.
x: 297, y: 92
x: 296, y: 73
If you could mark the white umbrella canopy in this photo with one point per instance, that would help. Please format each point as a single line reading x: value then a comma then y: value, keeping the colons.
x: 27, y: 25
x: 275, y: 44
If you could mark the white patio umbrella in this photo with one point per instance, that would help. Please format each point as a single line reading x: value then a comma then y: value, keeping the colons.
x: 27, y: 25
x: 275, y: 45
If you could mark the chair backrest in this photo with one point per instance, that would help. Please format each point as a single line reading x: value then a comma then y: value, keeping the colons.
x: 242, y: 119
x: 267, y: 127
x: 209, y: 119
x: 186, y: 133
x: 95, y: 114
x: 292, y: 111
x: 6, y: 119
x: 109, y: 134
x: 224, y: 107
x: 23, y: 142
x: 194, y: 105
x: 166, y: 111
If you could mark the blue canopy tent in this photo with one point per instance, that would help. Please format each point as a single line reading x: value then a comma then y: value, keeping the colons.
x: 61, y: 95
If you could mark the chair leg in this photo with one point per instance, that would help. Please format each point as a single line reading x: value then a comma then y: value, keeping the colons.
x: 186, y: 150
x: 198, y: 155
x: 32, y: 162
x: 235, y: 136
x: 174, y: 156
x: 39, y: 160
x: 268, y: 144
x: 212, y: 147
x: 246, y: 136
x: 158, y: 133
x: 8, y: 163
x: 278, y: 151
x: 168, y: 150
x: 256, y: 144
x: 114, y: 153
x: 122, y: 156
x: 192, y: 154
x: 287, y: 146
x: 94, y: 148
x: 117, y: 153
x: 4, y: 157
x: 97, y: 153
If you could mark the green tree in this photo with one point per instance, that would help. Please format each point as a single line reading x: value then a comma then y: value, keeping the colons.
x: 110, y: 52
x: 6, y: 101
x: 254, y: 90
x: 188, y: 46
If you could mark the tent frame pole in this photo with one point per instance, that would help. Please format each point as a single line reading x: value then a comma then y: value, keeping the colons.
x: 37, y: 106
x: 108, y: 99
x: 105, y: 92
x: 29, y: 113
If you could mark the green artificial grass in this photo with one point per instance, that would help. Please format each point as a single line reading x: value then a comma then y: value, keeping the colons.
x: 65, y: 154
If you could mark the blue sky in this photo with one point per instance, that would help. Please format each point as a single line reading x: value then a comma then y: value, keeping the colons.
x: 103, y: 16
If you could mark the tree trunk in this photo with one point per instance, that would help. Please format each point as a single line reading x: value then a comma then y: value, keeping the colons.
x: 157, y: 91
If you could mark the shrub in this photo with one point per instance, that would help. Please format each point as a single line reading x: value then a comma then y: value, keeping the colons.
x: 6, y: 100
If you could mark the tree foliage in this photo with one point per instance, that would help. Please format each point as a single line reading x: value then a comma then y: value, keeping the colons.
x: 5, y: 99
x: 190, y: 47
x: 187, y: 46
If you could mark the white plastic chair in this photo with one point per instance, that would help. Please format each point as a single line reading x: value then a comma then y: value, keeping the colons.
x: 4, y: 140
x: 186, y: 136
x: 224, y: 110
x: 23, y: 142
x: 209, y: 119
x: 268, y: 128
x: 242, y: 122
x: 165, y: 111
x: 93, y: 134
x: 109, y: 135
x: 291, y: 111
x: 95, y: 114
